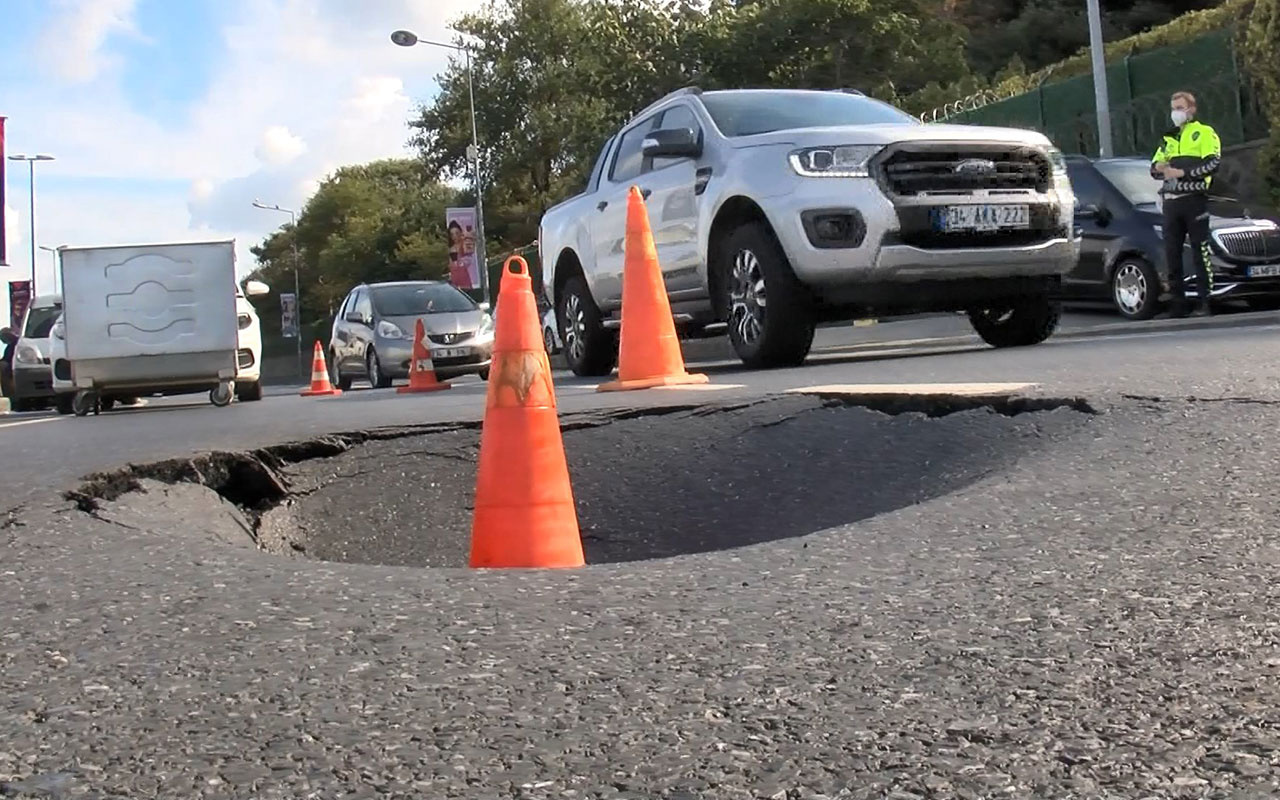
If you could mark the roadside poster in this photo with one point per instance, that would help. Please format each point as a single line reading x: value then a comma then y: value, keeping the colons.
x: 4, y: 249
x: 464, y: 271
x: 19, y: 299
x: 289, y: 315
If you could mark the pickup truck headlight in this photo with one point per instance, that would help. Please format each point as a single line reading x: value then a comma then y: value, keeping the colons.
x: 1057, y: 161
x: 27, y: 355
x: 846, y: 161
x: 389, y: 330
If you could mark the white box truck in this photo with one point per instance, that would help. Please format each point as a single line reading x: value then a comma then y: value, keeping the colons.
x: 150, y: 319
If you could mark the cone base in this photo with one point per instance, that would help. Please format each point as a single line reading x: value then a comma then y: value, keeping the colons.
x: 320, y: 392
x: 437, y: 387
x: 687, y: 379
x: 526, y: 537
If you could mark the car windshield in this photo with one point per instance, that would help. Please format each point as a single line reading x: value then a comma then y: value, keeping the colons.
x: 1133, y: 180
x: 40, y: 321
x: 745, y: 113
x: 412, y: 299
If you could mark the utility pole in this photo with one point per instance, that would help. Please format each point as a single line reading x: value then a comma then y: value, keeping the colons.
x: 1101, y: 100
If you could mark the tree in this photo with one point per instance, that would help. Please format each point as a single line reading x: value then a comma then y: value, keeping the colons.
x: 370, y: 222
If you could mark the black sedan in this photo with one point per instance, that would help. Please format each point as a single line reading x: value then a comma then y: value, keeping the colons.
x: 1122, y: 254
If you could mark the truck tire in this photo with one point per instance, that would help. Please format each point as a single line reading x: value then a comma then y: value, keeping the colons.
x: 776, y: 333
x: 1018, y: 323
x: 590, y: 349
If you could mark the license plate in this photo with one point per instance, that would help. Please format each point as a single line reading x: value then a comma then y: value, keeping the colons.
x: 1265, y: 271
x: 981, y: 217
x: 451, y: 352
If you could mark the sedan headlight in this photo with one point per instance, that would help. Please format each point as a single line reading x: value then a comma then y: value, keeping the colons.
x: 27, y: 355
x: 390, y: 330
x: 847, y: 161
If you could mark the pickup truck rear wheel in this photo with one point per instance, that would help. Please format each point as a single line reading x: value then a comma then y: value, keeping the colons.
x: 590, y: 348
x: 769, y: 315
x: 1017, y: 323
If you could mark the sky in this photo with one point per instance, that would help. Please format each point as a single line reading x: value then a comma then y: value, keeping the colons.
x: 168, y: 118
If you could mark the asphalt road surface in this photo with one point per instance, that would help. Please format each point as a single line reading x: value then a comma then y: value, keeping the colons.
x: 1084, y: 605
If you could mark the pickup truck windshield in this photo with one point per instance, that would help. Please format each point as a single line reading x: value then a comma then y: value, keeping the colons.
x: 745, y: 112
x: 420, y: 298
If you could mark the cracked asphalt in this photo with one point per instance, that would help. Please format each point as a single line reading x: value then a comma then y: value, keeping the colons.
x: 1057, y: 604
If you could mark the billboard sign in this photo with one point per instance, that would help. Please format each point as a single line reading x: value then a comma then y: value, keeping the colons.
x: 289, y: 315
x: 460, y: 227
x: 19, y: 299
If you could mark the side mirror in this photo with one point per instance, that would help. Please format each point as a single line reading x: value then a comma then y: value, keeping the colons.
x: 672, y: 143
x: 256, y: 289
x: 355, y: 317
x: 1095, y: 212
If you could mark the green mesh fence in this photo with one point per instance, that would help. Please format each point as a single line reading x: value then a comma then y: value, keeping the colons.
x: 1139, y: 88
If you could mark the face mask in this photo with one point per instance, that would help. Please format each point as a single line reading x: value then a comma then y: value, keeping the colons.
x: 1179, y: 117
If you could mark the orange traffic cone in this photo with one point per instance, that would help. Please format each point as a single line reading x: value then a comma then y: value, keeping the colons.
x: 649, y: 353
x: 319, y: 376
x: 422, y: 373
x: 524, y: 512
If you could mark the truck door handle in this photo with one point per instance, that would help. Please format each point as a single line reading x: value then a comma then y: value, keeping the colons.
x: 602, y: 205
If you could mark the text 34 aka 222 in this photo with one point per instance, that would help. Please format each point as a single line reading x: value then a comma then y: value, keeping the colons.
x: 981, y: 217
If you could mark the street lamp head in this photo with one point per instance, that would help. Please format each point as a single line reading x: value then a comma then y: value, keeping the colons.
x: 404, y: 38
x: 44, y: 157
x: 18, y: 157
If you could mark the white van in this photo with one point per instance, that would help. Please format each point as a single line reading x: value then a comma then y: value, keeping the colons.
x: 248, y: 354
x: 32, y: 375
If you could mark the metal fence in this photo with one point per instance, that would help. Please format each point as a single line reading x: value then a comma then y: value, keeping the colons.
x: 1139, y: 88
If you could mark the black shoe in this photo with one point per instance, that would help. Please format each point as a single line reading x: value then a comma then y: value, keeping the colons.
x: 1177, y: 311
x: 1203, y: 310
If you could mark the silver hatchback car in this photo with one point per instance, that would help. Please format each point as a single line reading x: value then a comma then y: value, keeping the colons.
x: 373, y: 332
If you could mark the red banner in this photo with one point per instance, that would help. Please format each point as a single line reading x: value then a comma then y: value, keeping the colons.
x: 4, y: 250
x: 19, y: 299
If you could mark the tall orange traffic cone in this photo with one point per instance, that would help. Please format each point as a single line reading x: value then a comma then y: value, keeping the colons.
x: 524, y: 512
x: 649, y: 353
x: 422, y: 373
x: 319, y: 376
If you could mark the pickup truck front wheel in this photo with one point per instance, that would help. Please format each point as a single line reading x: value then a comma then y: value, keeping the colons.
x: 1018, y: 323
x: 590, y: 348
x: 769, y: 317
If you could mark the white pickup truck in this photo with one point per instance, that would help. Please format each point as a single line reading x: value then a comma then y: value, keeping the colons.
x: 774, y: 210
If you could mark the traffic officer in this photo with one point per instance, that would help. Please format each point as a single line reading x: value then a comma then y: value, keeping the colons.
x: 1186, y: 160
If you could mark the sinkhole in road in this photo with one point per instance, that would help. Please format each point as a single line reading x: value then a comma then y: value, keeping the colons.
x: 648, y: 483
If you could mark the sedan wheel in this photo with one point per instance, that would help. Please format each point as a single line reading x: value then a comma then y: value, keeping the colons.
x: 1135, y: 290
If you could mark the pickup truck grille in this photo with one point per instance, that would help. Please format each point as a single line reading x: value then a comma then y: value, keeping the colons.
x: 950, y: 169
x: 1250, y: 245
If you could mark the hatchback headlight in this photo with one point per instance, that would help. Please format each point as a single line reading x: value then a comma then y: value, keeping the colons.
x: 486, y: 326
x: 846, y: 161
x: 390, y: 330
x: 27, y: 355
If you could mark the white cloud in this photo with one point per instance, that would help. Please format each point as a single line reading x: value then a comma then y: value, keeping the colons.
x: 72, y: 44
x: 279, y: 146
x: 301, y: 88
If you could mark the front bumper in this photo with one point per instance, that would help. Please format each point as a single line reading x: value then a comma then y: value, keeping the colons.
x: 893, y: 243
x: 31, y: 382
x: 1230, y: 279
x: 473, y: 357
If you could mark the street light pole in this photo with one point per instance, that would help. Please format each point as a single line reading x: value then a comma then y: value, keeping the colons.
x: 31, y: 183
x: 409, y: 39
x: 1101, y: 101
x: 297, y: 288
